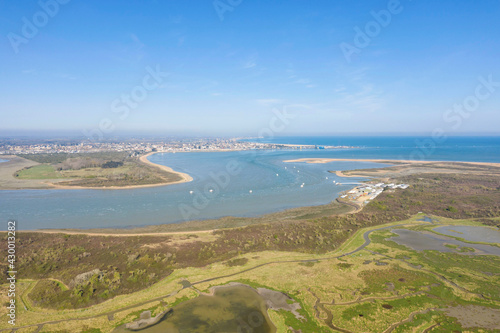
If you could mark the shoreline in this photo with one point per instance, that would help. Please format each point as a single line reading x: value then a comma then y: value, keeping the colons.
x: 185, y: 177
x: 83, y: 232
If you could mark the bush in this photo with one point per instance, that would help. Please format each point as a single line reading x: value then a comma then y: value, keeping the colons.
x: 451, y: 209
x: 111, y: 164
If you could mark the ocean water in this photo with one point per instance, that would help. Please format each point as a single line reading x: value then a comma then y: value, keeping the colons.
x: 472, y: 149
x: 231, y: 176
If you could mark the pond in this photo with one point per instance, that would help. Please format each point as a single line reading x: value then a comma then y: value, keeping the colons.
x: 471, y: 233
x: 229, y: 309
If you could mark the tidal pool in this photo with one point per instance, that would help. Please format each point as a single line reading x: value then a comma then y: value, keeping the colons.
x: 420, y: 241
x: 471, y: 233
x: 230, y: 309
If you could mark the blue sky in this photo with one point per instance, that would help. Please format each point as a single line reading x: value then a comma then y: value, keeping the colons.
x: 226, y: 76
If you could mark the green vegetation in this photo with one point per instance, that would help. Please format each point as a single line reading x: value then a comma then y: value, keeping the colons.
x: 42, y: 171
x: 136, y: 315
x: 305, y: 325
x: 435, y: 319
x: 236, y: 262
x: 111, y: 164
x: 53, y: 158
x: 401, y: 279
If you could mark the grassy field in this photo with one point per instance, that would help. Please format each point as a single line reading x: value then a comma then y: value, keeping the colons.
x: 42, y: 171
x: 53, y: 158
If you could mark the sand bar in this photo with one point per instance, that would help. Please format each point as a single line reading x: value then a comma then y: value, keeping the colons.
x: 328, y: 160
x: 397, y: 166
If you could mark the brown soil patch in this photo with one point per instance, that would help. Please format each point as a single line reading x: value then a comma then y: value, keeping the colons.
x: 475, y: 316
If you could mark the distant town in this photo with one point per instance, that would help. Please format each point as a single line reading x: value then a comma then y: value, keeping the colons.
x: 13, y: 147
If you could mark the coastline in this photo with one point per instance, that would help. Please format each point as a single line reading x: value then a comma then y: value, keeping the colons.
x: 108, y: 234
x: 185, y: 177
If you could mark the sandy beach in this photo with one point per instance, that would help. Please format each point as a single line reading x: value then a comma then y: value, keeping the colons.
x: 185, y: 177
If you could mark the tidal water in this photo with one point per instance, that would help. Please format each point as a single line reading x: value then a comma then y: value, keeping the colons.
x: 421, y: 241
x: 247, y: 183
x: 471, y: 233
x: 224, y: 184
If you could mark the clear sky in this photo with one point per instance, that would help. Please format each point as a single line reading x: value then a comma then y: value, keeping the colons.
x: 230, y: 63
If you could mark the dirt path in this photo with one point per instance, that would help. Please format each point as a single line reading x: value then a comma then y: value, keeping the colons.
x: 357, y: 208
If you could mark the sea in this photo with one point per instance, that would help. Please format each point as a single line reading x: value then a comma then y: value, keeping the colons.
x: 236, y: 183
